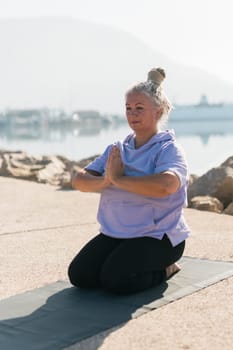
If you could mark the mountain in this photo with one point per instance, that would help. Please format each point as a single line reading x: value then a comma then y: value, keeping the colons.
x: 65, y: 62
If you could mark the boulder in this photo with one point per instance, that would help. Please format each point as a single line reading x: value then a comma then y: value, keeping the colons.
x: 206, y: 203
x: 21, y: 166
x: 217, y: 182
x: 192, y: 178
x: 55, y: 170
x: 53, y: 173
x: 229, y: 209
x: 1, y: 164
x: 65, y: 181
x: 228, y: 162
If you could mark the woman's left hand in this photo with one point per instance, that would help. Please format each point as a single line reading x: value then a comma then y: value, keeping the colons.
x: 115, y: 166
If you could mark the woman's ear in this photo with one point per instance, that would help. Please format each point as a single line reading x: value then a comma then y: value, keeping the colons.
x: 158, y: 113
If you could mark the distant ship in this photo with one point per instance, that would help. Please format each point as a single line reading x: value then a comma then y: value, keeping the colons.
x: 203, y: 119
x: 203, y: 111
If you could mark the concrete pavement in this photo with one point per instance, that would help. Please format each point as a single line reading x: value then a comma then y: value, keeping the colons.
x: 42, y: 228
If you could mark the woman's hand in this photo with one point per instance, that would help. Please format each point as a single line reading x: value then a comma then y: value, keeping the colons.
x: 115, y: 166
x: 153, y: 185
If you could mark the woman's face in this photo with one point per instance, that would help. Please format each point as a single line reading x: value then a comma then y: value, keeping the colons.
x: 141, y: 113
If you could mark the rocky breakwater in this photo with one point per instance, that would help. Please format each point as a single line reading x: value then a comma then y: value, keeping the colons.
x: 53, y: 170
x: 212, y: 191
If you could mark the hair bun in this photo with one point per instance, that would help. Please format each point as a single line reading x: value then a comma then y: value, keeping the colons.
x: 156, y: 75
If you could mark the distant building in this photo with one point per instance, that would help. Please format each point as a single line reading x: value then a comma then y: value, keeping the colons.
x: 24, y: 123
x: 24, y: 117
x: 89, y: 118
x: 2, y: 120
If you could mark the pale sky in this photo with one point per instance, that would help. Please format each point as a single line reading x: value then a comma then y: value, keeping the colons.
x: 194, y: 32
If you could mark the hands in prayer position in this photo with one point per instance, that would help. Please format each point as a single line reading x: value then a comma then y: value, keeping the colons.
x: 115, y: 166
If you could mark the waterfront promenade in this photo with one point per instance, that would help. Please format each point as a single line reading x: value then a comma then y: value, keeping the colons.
x: 42, y: 228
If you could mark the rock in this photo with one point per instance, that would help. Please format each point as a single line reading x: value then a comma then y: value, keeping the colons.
x: 229, y: 209
x: 228, y: 162
x: 20, y: 165
x: 192, y: 178
x: 53, y: 173
x: 55, y: 170
x: 67, y: 162
x: 65, y: 181
x: 217, y: 182
x: 206, y: 203
x: 1, y: 165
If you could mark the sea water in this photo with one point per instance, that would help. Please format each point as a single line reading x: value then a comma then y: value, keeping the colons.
x: 206, y: 145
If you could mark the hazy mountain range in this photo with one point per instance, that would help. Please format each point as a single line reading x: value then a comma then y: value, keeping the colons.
x: 65, y: 62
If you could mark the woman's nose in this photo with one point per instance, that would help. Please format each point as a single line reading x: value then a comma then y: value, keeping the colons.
x: 132, y: 112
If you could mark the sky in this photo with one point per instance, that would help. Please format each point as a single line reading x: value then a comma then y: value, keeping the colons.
x: 193, y: 32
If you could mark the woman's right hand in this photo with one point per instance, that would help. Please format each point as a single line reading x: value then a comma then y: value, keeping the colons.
x: 114, y: 166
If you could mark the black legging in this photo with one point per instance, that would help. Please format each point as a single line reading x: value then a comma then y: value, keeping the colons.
x: 123, y: 266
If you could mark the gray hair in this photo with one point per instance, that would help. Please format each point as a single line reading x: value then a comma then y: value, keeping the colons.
x: 153, y: 89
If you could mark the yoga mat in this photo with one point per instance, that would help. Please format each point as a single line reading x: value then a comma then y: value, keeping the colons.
x: 58, y: 315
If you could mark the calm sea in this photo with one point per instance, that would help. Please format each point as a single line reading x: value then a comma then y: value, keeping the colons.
x: 206, y: 144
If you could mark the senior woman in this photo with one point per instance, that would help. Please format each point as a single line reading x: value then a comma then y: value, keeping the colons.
x: 143, y: 185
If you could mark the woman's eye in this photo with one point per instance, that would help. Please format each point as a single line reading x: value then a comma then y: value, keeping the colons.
x: 139, y: 108
x: 128, y: 108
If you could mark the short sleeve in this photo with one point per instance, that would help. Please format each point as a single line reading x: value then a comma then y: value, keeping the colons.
x: 172, y: 158
x: 99, y: 163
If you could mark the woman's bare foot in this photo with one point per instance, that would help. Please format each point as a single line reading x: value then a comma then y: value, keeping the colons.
x: 172, y: 270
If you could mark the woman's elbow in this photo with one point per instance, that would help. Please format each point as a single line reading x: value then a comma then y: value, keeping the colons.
x: 76, y: 182
x: 171, y: 185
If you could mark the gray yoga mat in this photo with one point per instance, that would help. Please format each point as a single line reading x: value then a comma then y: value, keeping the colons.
x: 59, y: 315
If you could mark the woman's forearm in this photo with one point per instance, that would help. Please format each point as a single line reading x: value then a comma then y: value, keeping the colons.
x: 85, y: 181
x: 156, y: 185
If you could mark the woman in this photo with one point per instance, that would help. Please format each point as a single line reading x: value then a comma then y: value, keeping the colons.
x: 143, y: 183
